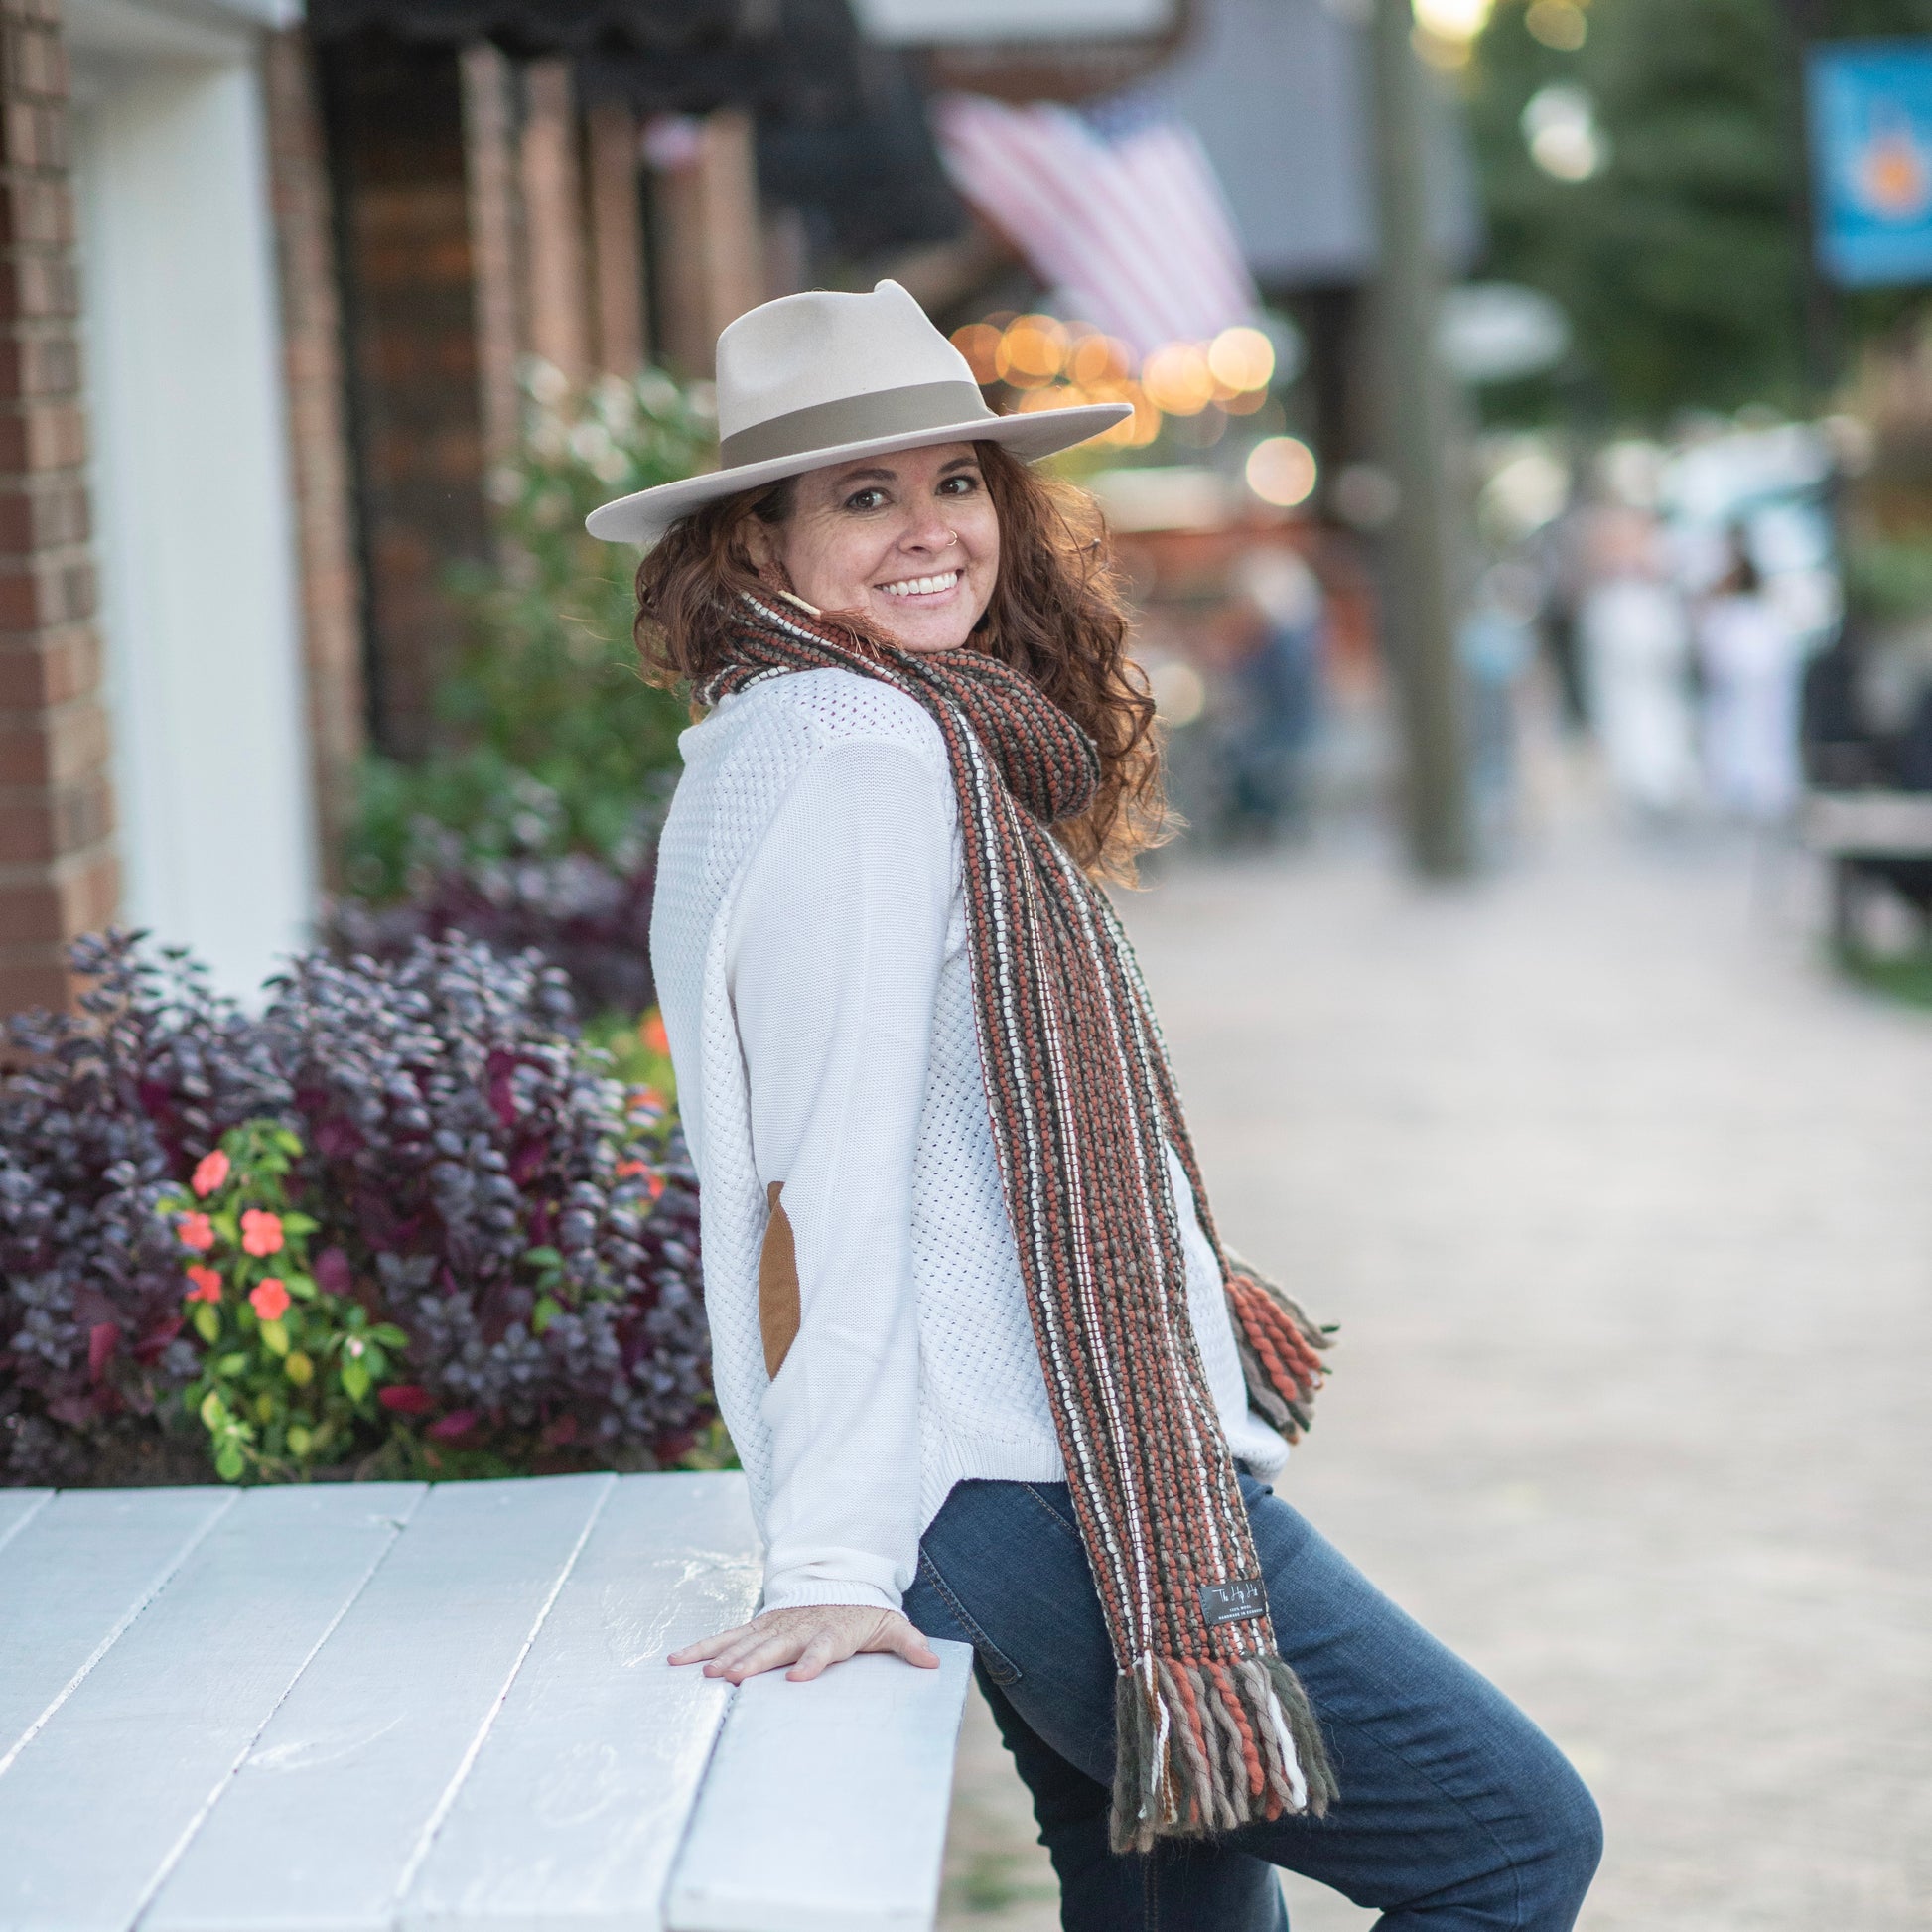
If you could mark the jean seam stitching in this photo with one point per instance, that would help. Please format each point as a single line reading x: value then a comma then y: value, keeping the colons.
x: 1072, y: 1529
x: 981, y: 1641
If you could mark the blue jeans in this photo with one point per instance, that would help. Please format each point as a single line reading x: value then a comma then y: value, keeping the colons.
x: 1456, y: 1814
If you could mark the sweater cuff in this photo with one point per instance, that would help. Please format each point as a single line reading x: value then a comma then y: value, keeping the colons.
x: 812, y: 1594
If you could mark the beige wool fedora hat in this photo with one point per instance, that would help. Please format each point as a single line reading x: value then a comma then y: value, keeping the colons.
x: 819, y: 378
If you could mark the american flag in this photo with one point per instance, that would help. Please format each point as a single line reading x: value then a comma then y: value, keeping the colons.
x: 1119, y: 212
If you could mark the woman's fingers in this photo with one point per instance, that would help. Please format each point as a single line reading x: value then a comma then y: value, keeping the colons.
x: 705, y: 1647
x: 809, y: 1639
x: 906, y: 1643
x: 823, y: 1649
x: 784, y: 1647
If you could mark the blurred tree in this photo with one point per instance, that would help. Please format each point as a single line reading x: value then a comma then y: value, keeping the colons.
x: 1675, y: 244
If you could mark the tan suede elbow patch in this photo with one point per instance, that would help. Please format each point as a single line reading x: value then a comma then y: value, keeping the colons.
x: 779, y: 1309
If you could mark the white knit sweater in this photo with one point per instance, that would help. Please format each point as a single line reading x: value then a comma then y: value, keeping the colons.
x: 810, y: 942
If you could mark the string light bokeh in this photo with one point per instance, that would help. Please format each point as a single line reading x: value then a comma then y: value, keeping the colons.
x: 1051, y: 363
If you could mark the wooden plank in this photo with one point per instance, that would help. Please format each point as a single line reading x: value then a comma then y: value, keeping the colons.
x: 580, y: 1797
x: 73, y: 1577
x: 321, y: 1828
x: 825, y: 1806
x: 1869, y: 824
x: 96, y: 1805
x: 18, y: 1507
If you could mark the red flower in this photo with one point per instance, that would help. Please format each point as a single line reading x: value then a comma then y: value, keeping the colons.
x: 209, y: 1172
x: 652, y: 1034
x: 261, y: 1233
x: 270, y: 1299
x: 197, y: 1231
x: 629, y: 1170
x: 405, y: 1397
x: 208, y: 1285
x: 459, y: 1422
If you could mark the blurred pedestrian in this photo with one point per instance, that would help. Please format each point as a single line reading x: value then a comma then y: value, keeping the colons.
x: 992, y: 1376
x: 1637, y: 639
x: 1498, y: 640
x: 1275, y: 693
x: 1752, y: 663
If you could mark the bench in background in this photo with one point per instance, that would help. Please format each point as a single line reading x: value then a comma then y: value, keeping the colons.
x: 403, y: 1708
x: 1871, y: 836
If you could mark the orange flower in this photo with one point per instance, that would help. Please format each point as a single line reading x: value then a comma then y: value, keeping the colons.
x: 269, y: 1298
x: 208, y: 1285
x: 628, y: 1169
x: 262, y: 1232
x: 652, y: 1034
x: 197, y: 1231
x: 209, y: 1172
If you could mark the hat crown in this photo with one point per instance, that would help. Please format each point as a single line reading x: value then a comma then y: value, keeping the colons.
x: 804, y: 350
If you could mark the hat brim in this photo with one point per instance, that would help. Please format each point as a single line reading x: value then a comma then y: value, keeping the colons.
x: 645, y: 516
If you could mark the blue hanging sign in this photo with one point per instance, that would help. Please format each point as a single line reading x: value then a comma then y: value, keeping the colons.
x: 1872, y: 159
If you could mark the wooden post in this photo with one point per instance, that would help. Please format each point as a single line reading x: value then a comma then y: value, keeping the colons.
x: 616, y: 240
x: 1418, y: 434
x: 491, y: 179
x: 553, y: 222
x: 711, y: 268
x: 60, y: 874
x: 331, y: 587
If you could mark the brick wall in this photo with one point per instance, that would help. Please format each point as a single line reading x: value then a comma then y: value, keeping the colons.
x: 58, y: 874
x: 331, y: 592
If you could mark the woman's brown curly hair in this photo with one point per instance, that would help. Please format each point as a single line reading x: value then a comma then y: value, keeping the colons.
x: 1056, y: 613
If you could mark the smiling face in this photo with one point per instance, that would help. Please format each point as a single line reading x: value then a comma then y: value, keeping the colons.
x: 908, y: 541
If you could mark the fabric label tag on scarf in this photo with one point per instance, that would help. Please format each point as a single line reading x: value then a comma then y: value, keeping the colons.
x: 1233, y: 1602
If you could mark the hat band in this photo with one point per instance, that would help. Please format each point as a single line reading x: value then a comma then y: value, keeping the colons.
x: 856, y: 419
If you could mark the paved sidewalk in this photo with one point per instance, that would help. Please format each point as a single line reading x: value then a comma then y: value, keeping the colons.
x: 1626, y: 1210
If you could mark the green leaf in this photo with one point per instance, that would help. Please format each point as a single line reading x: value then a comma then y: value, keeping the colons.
x: 230, y: 1463
x: 298, y: 1369
x: 299, y: 1223
x: 300, y: 1441
x: 214, y: 1412
x: 389, y: 1336
x: 376, y: 1363
x: 545, y: 1313
x: 302, y: 1287
x: 231, y: 1364
x: 207, y: 1324
x: 544, y: 1258
x: 275, y: 1338
x: 356, y: 1380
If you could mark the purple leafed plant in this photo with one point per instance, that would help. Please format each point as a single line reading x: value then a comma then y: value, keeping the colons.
x: 476, y: 1176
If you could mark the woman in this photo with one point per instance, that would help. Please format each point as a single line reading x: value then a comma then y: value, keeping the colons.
x: 1752, y: 669
x: 990, y: 1374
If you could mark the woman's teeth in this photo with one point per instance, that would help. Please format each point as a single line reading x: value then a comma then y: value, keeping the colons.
x: 921, y: 586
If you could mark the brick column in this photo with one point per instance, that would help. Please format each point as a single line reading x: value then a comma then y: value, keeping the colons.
x: 332, y: 588
x: 618, y: 239
x: 553, y: 222
x: 59, y: 871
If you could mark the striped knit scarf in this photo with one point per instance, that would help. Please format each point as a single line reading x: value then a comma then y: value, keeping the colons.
x: 1214, y: 1729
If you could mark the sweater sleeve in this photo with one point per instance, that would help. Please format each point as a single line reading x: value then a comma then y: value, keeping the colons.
x: 837, y: 942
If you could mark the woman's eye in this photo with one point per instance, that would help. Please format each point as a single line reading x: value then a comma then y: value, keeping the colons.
x: 865, y: 499
x: 961, y: 485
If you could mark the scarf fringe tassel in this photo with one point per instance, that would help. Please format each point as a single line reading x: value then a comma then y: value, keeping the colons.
x: 1205, y: 1748
x: 1279, y: 1347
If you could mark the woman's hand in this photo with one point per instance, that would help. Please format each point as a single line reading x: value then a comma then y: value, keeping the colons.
x: 807, y: 1638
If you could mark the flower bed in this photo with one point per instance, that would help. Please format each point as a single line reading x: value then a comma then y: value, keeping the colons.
x: 403, y: 1222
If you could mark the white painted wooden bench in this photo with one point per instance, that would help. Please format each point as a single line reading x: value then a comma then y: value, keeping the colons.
x: 399, y: 1707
